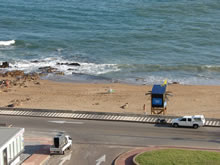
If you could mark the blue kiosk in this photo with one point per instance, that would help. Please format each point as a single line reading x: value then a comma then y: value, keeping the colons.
x: 158, y: 99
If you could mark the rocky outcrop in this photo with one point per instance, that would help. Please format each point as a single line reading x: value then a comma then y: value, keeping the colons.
x: 17, y: 78
x: 47, y: 69
x: 4, y: 65
x: 15, y: 73
x: 31, y: 77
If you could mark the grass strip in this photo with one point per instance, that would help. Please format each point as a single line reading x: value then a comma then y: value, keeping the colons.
x: 179, y: 157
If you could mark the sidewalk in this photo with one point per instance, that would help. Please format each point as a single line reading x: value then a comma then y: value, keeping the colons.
x: 127, y: 157
x: 42, y: 154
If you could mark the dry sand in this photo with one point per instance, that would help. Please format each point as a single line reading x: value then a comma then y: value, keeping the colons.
x: 186, y: 99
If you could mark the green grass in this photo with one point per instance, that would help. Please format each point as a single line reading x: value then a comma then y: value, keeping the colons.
x: 179, y: 157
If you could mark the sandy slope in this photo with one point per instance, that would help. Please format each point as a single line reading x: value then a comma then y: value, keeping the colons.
x: 186, y: 100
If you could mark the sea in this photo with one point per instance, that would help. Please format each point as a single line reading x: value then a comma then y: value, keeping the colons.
x: 125, y: 41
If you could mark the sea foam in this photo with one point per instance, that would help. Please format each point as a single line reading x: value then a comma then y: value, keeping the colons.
x: 84, y: 68
x: 7, y: 43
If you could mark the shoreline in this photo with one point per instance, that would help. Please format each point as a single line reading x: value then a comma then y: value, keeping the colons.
x: 34, y: 92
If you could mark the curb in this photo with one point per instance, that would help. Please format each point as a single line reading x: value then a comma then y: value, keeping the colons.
x: 88, y: 115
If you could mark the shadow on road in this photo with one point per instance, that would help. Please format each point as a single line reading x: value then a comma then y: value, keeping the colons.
x: 36, y: 149
x: 162, y: 125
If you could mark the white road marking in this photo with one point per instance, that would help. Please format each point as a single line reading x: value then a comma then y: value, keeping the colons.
x: 68, y: 122
x: 66, y: 158
x: 100, y: 160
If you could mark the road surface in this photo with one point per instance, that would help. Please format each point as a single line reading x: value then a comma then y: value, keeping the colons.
x: 103, y: 141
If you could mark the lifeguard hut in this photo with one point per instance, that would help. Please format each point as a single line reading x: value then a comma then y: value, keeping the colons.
x: 158, y: 99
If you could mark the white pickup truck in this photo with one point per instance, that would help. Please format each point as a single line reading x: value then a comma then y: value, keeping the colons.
x: 61, y: 143
x: 189, y: 121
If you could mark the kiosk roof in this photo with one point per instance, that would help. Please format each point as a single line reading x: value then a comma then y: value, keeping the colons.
x: 7, y: 133
x: 159, y: 89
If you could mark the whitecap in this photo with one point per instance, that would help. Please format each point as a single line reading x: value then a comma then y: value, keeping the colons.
x: 7, y: 43
x: 84, y: 68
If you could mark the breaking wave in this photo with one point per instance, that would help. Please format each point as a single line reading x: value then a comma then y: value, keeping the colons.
x: 7, y: 43
x: 158, y: 68
x: 66, y: 67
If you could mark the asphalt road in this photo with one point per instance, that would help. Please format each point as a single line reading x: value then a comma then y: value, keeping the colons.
x: 97, y: 139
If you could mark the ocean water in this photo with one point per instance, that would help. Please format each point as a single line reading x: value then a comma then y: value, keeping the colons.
x: 132, y: 41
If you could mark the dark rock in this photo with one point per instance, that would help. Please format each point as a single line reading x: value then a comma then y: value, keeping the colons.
x: 59, y: 73
x: 4, y: 65
x: 11, y: 105
x: 48, y: 69
x: 175, y: 82
x: 70, y: 64
x: 74, y: 64
x: 61, y: 63
x: 35, y: 61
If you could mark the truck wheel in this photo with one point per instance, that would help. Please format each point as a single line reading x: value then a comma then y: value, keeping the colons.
x: 195, y: 126
x: 175, y: 125
x: 63, y: 152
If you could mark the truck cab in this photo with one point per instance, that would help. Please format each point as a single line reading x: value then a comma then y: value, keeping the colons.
x: 189, y: 121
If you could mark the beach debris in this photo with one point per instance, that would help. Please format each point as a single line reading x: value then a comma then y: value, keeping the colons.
x: 5, y: 83
x: 124, y: 106
x: 15, y: 103
x: 110, y: 90
x: 37, y: 83
x: 18, y: 102
x: 4, y: 65
x: 144, y: 109
x: 6, y: 90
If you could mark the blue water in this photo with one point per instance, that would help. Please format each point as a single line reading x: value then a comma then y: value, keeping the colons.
x: 134, y: 41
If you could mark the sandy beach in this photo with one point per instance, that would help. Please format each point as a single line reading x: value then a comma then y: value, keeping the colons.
x: 45, y: 94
